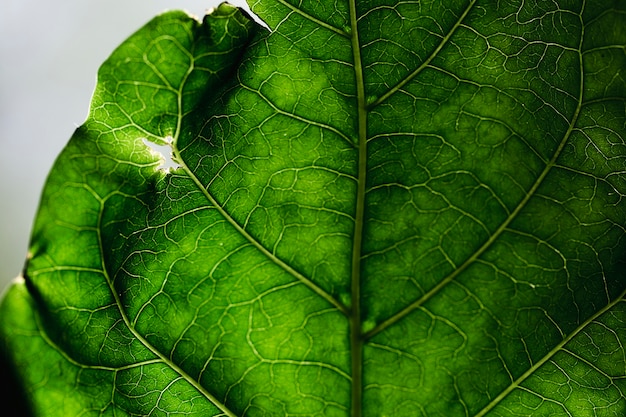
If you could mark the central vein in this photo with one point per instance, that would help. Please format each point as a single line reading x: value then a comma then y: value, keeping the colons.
x: 356, y: 339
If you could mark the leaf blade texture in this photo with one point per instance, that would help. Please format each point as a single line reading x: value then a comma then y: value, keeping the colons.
x: 378, y: 208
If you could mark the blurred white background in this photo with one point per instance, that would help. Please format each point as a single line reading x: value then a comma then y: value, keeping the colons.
x: 49, y: 56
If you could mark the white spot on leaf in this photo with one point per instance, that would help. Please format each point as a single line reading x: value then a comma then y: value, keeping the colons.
x: 164, y: 152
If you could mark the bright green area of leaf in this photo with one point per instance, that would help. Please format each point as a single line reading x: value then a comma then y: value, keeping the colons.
x: 382, y: 209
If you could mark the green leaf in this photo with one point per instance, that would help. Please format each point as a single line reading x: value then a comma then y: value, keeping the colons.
x: 379, y: 209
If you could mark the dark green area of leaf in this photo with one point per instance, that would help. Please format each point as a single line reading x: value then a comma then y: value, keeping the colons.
x: 380, y: 208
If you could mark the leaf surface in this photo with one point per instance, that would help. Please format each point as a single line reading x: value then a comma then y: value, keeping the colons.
x: 379, y: 209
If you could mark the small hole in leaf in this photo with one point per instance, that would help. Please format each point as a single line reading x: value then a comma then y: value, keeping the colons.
x: 164, y: 151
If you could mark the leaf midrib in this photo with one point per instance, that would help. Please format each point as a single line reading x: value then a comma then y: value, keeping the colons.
x: 356, y: 331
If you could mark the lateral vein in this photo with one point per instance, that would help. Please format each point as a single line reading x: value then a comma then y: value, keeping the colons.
x: 559, y: 347
x: 426, y: 63
x: 314, y: 19
x: 503, y: 226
